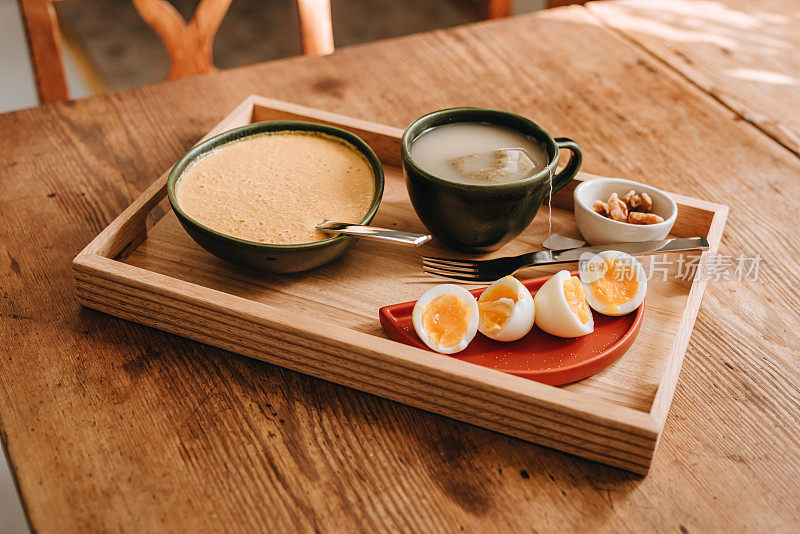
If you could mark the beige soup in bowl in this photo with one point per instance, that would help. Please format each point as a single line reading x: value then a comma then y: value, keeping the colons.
x: 275, y: 187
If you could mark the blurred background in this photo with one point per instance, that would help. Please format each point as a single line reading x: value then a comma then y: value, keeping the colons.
x: 107, y: 45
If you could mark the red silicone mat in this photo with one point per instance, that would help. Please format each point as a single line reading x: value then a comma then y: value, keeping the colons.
x: 538, y: 356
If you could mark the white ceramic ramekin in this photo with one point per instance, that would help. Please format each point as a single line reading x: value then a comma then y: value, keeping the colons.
x: 599, y: 230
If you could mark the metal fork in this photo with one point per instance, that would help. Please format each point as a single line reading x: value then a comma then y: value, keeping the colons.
x: 489, y: 270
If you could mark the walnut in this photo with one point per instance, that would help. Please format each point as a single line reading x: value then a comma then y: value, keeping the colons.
x: 647, y: 203
x: 632, y: 200
x: 600, y: 207
x: 637, y: 217
x: 617, y: 209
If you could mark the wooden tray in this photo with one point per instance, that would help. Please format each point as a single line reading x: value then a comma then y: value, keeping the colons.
x: 143, y: 267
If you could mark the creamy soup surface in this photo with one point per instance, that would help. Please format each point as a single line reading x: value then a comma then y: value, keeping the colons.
x: 478, y: 153
x: 275, y: 187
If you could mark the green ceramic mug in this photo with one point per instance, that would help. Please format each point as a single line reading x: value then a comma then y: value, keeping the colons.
x: 478, y: 217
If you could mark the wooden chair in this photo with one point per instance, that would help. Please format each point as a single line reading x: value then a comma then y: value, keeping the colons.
x: 188, y: 45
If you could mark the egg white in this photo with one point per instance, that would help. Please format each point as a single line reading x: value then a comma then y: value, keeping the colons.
x: 437, y: 291
x: 522, y: 315
x: 594, y: 269
x: 553, y: 314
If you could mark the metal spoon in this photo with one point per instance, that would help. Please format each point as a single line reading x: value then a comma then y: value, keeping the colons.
x: 375, y: 233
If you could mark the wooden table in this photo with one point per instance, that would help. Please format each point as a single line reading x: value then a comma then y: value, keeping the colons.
x: 744, y: 53
x: 111, y: 426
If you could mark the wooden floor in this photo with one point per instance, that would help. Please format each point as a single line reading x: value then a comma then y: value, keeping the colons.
x: 111, y: 426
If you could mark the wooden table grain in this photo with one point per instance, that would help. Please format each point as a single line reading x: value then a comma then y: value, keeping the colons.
x: 744, y: 53
x: 110, y: 426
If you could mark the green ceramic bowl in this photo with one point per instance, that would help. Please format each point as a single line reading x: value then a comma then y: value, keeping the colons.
x: 477, y: 217
x: 261, y: 256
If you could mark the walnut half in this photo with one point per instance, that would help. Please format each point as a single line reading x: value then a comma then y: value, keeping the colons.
x: 632, y: 200
x: 600, y: 207
x: 637, y: 217
x: 647, y: 203
x: 617, y: 209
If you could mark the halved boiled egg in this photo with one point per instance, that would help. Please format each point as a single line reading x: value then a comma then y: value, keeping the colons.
x: 506, y: 310
x: 614, y: 282
x: 561, y: 307
x: 446, y: 318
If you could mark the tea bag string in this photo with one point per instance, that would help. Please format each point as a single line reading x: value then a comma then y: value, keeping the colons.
x: 550, y: 202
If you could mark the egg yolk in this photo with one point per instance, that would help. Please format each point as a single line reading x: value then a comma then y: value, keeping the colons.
x: 576, y: 299
x: 446, y: 320
x: 494, y: 313
x: 617, y: 286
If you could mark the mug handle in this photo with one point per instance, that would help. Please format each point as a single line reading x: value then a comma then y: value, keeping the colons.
x: 567, y: 173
